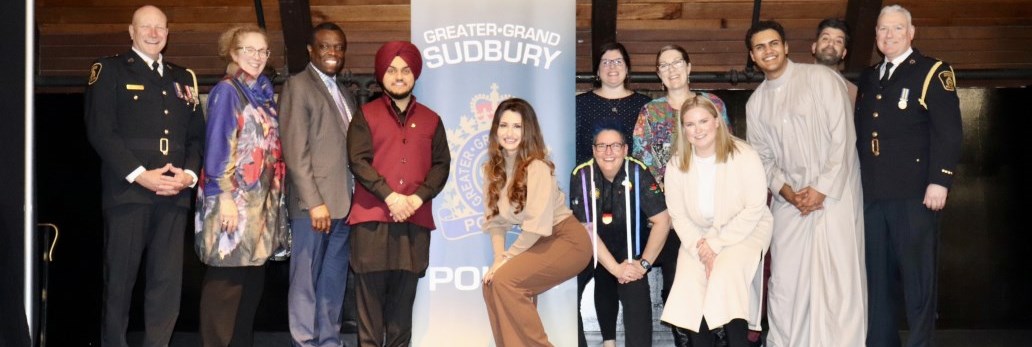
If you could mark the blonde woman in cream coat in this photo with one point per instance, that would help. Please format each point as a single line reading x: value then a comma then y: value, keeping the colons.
x: 716, y: 193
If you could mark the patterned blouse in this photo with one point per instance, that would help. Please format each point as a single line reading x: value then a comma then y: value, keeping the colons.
x: 242, y: 155
x: 654, y: 133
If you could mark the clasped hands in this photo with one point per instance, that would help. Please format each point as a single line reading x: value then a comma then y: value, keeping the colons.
x: 806, y: 200
x: 162, y: 184
x: 629, y: 271
x: 706, y: 255
x: 403, y: 206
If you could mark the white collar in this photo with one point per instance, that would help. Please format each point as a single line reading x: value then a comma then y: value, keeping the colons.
x: 148, y: 60
x: 323, y: 75
x: 900, y: 58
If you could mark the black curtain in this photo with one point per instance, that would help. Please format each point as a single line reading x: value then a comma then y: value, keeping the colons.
x: 13, y: 327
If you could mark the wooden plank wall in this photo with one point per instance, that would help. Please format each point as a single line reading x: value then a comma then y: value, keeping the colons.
x: 971, y: 34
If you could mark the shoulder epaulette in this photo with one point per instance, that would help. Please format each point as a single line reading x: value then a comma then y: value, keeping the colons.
x: 577, y: 169
x: 636, y: 161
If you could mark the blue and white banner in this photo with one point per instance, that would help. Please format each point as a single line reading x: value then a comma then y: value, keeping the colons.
x: 476, y: 54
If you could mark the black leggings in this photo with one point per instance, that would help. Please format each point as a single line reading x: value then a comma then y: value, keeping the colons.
x: 609, y: 294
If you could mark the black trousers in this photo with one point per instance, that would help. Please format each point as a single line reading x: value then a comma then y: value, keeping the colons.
x: 667, y: 261
x: 901, y: 247
x: 735, y: 334
x: 609, y: 295
x: 152, y: 234
x: 229, y: 302
x: 385, y: 300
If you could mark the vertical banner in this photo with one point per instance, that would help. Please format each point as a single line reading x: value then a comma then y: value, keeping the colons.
x: 476, y: 54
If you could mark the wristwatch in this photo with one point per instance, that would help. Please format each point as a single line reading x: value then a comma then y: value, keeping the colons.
x: 645, y: 264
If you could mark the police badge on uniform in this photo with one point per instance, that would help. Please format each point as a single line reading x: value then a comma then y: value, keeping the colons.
x: 949, y: 82
x: 95, y: 72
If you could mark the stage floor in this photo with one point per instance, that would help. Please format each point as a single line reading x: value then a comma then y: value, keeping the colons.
x: 944, y: 338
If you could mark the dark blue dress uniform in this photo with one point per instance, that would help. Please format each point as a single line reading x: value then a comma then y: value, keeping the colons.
x: 609, y: 199
x: 136, y: 117
x: 908, y: 136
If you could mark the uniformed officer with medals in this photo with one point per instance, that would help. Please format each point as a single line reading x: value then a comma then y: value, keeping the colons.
x: 143, y: 119
x: 908, y: 127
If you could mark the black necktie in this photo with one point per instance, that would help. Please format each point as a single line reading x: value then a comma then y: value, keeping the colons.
x: 155, y: 66
x: 888, y: 71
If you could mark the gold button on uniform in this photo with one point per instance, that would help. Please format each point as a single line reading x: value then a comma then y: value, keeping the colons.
x: 166, y: 131
x: 164, y: 92
x: 874, y: 134
x: 877, y: 97
x: 136, y: 97
x: 875, y: 115
x: 166, y: 111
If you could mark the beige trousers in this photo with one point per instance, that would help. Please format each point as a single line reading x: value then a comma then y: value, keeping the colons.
x: 511, y: 296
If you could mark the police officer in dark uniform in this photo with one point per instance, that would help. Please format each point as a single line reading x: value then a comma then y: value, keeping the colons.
x: 597, y: 195
x: 143, y: 119
x: 909, y: 137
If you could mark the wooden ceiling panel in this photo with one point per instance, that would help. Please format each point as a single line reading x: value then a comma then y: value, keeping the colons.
x: 970, y: 34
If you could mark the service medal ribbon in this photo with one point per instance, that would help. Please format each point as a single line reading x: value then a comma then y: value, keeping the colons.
x: 903, y: 97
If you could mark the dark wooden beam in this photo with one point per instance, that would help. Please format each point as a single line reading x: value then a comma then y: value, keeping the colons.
x: 296, y: 18
x: 862, y: 17
x: 603, y: 27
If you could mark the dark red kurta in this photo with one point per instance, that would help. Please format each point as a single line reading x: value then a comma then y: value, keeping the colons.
x: 407, y: 154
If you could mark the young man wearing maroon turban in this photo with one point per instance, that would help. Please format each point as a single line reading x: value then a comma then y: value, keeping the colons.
x: 399, y: 154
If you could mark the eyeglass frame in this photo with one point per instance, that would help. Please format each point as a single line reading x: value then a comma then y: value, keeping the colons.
x: 257, y: 53
x: 332, y: 48
x: 677, y: 64
x: 612, y: 63
x: 603, y: 147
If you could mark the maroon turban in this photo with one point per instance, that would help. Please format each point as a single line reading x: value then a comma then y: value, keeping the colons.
x: 404, y: 49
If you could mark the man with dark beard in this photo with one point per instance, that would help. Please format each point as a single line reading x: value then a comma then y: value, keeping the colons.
x: 391, y: 214
x: 830, y: 48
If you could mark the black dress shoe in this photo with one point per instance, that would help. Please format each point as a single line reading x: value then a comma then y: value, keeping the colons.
x: 681, y: 337
x: 349, y: 327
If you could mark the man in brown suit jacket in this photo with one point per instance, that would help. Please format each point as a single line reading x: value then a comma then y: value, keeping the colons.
x: 316, y: 110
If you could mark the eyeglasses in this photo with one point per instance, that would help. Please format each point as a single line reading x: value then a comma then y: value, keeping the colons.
x: 257, y: 53
x: 331, y: 48
x: 613, y: 63
x: 602, y: 147
x: 677, y: 64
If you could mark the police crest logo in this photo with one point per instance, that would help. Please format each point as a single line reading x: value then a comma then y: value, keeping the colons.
x: 461, y: 213
x: 95, y: 72
x: 948, y: 81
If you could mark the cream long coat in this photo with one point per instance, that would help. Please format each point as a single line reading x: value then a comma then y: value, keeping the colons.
x: 740, y: 233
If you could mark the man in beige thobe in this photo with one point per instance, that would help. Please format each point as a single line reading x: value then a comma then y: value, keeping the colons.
x: 801, y: 124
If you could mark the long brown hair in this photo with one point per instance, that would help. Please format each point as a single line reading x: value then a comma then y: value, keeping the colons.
x: 725, y: 143
x: 532, y: 146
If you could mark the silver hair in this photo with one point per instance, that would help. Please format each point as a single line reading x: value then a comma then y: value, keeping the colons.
x: 898, y: 9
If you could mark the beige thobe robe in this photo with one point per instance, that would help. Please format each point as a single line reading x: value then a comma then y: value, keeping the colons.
x: 801, y: 124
